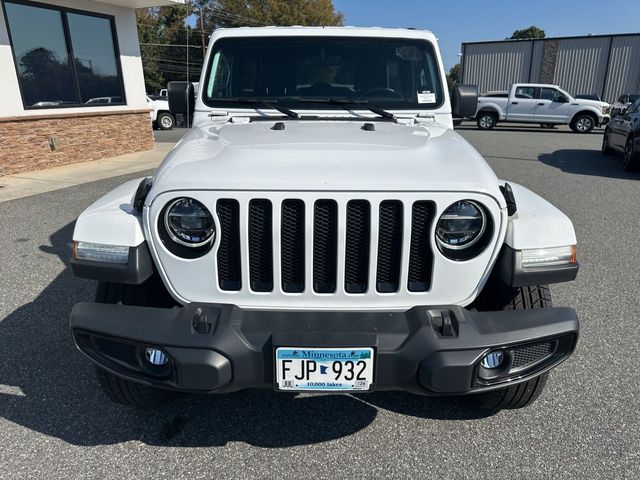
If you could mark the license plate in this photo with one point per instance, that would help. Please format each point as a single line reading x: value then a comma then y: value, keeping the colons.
x: 324, y: 369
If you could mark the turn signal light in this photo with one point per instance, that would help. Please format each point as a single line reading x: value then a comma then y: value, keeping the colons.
x: 549, y: 257
x: 98, y: 252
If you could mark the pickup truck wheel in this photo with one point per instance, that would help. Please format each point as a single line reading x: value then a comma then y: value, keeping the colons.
x: 486, y: 120
x: 165, y: 121
x: 582, y: 123
x: 503, y: 297
x: 630, y: 160
x: 606, y: 149
x: 457, y: 122
x: 151, y: 293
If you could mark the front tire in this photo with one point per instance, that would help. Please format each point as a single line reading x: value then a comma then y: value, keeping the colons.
x: 151, y: 293
x: 606, y: 149
x: 630, y: 160
x: 131, y: 394
x: 582, y: 123
x: 486, y: 120
x: 497, y: 296
x: 165, y: 121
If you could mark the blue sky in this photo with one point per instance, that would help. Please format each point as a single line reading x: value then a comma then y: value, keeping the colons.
x: 454, y: 22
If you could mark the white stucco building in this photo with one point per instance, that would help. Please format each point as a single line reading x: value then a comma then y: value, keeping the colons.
x: 71, y: 82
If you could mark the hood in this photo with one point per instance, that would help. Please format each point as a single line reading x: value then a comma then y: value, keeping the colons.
x: 324, y: 155
x: 592, y: 103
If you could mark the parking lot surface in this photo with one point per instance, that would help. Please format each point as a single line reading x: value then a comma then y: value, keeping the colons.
x: 55, y: 423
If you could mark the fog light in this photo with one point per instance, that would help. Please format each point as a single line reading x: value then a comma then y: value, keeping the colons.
x: 155, y: 356
x: 492, y: 359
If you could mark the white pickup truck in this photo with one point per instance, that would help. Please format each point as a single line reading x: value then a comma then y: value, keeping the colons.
x: 547, y: 105
x: 161, y: 116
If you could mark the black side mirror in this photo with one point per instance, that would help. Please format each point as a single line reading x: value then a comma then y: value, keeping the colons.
x: 615, y: 111
x: 182, y: 100
x: 464, y: 101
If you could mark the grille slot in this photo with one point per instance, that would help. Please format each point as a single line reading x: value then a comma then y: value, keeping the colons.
x: 260, y: 246
x: 325, y: 246
x: 358, y: 233
x: 389, y: 247
x: 420, y: 254
x: 229, y: 270
x: 292, y: 246
x: 529, y: 354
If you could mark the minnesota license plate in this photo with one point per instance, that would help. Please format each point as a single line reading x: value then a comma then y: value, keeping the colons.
x: 324, y: 369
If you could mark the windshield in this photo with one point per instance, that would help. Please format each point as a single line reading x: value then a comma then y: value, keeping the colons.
x: 390, y: 73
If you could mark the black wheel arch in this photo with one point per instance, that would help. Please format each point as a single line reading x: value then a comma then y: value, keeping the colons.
x: 585, y: 112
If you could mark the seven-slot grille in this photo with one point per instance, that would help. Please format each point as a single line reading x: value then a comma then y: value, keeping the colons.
x: 341, y: 260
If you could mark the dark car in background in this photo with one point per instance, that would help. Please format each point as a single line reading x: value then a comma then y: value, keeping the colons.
x: 588, y: 96
x: 623, y: 135
x: 624, y: 101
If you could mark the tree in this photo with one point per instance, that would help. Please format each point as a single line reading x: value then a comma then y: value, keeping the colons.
x: 453, y: 76
x: 237, y: 13
x: 168, y: 26
x: 527, y: 33
x: 161, y: 26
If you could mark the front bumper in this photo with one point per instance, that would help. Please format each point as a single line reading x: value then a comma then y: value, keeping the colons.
x: 223, y: 348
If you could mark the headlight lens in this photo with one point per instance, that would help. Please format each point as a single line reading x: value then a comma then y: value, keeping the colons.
x: 461, y: 225
x: 189, y: 223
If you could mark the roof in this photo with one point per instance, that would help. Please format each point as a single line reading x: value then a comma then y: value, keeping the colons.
x: 509, y: 40
x: 297, y: 30
x: 141, y: 3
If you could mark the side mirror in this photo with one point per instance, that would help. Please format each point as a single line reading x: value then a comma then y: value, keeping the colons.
x: 182, y: 100
x: 464, y: 101
x: 615, y: 111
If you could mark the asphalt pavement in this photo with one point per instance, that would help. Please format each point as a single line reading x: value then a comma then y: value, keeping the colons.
x: 55, y: 422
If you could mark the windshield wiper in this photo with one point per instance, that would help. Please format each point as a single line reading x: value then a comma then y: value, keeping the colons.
x: 345, y: 102
x: 265, y: 103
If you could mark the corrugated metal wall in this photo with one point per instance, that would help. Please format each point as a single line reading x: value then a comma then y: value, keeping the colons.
x: 536, y: 63
x: 605, y: 65
x: 582, y: 64
x: 496, y: 66
x: 624, y: 67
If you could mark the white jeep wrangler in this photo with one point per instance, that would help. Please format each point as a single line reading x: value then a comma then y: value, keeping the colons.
x: 323, y: 228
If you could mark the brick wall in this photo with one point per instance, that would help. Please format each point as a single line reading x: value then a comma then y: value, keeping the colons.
x: 25, y: 141
x: 549, y: 60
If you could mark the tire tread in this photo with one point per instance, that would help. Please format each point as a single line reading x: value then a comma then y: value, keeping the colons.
x: 118, y: 390
x: 525, y: 393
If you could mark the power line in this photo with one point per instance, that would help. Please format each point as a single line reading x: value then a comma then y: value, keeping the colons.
x: 167, y: 60
x: 165, y: 28
x: 170, y: 45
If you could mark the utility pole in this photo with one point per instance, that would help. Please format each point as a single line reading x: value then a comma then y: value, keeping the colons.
x: 189, y: 86
x: 204, y: 43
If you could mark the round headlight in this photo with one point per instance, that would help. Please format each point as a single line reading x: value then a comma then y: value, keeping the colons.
x: 189, y: 223
x: 461, y: 225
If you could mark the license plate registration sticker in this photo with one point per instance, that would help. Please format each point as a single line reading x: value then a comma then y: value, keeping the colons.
x: 324, y: 369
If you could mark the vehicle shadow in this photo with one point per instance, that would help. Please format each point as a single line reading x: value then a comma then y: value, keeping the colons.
x: 46, y: 385
x: 587, y: 162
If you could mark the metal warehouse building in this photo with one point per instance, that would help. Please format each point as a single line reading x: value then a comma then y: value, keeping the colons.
x: 607, y: 65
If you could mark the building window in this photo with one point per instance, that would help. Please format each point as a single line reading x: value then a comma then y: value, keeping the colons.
x: 64, y: 58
